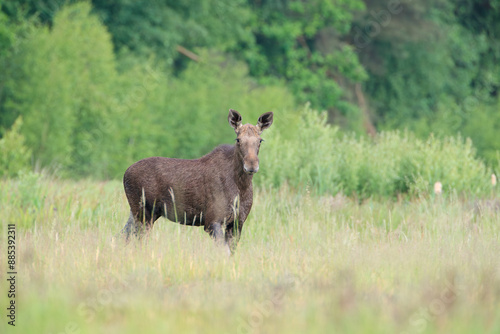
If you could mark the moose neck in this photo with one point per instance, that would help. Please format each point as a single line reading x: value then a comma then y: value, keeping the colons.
x: 243, y: 180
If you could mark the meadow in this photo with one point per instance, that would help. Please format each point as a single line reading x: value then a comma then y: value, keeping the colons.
x: 306, y: 262
x: 346, y: 234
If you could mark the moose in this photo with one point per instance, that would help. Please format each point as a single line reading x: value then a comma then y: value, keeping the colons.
x: 214, y: 191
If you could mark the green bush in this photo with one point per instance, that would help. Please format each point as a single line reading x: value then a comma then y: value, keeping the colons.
x: 14, y: 155
x: 308, y: 152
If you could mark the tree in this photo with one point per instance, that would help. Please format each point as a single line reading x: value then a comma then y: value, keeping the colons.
x: 301, y: 43
x: 66, y: 74
x: 433, y: 66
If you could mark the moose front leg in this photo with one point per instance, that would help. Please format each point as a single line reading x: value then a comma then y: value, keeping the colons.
x: 215, y: 231
x: 233, y: 236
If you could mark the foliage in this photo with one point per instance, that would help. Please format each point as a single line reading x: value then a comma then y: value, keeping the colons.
x: 280, y: 41
x: 301, y: 43
x: 482, y: 126
x: 393, y: 163
x: 14, y: 155
x: 146, y: 28
x: 160, y: 26
x: 211, y: 90
x: 11, y: 31
x: 436, y: 70
x: 83, y: 117
x: 102, y: 84
x: 186, y: 116
x: 67, y: 77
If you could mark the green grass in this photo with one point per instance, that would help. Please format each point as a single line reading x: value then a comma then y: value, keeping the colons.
x: 304, y: 264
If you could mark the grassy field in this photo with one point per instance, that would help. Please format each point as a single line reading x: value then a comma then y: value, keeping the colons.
x: 304, y: 264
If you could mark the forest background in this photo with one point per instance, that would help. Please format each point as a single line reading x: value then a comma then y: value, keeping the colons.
x: 370, y: 97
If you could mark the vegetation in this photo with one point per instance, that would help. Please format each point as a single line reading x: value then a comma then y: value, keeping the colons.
x: 307, y: 152
x: 375, y: 104
x: 305, y: 263
x: 14, y: 155
x: 101, y: 84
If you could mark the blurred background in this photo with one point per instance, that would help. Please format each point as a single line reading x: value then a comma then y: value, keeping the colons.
x: 87, y: 88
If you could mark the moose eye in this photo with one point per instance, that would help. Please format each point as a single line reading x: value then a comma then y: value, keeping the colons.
x: 237, y: 140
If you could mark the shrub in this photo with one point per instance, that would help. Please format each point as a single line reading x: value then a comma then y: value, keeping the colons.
x: 14, y: 155
x: 308, y: 152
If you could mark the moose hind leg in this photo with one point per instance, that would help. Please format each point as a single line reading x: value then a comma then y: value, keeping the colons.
x: 133, y: 226
x: 128, y: 228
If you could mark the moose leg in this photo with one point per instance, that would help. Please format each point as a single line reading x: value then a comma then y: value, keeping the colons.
x: 136, y: 227
x: 215, y: 231
x: 131, y: 227
x: 233, y: 236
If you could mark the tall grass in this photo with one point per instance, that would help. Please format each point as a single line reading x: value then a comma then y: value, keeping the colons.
x: 305, y: 263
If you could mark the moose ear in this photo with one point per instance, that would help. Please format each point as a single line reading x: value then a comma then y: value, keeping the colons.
x: 265, y: 121
x: 234, y: 119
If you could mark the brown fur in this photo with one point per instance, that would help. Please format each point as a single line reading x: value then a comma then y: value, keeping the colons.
x: 214, y: 191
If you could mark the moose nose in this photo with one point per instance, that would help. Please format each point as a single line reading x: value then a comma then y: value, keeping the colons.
x: 251, y: 170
